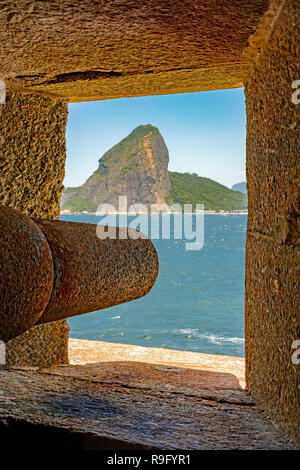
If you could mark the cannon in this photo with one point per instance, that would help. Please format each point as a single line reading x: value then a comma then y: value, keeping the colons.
x: 52, y: 269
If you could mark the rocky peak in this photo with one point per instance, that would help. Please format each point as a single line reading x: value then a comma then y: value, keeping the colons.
x: 136, y: 167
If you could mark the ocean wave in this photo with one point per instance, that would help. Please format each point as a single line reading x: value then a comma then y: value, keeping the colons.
x: 215, y: 339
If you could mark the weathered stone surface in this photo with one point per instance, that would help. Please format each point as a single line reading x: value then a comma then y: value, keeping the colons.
x: 26, y: 273
x: 272, y: 259
x: 92, y: 274
x: 230, y: 370
x: 42, y: 345
x: 32, y: 153
x: 272, y: 325
x: 117, y: 404
x: 32, y: 156
x: 108, y: 49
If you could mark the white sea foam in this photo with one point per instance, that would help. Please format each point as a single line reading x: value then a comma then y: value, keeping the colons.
x: 215, y: 339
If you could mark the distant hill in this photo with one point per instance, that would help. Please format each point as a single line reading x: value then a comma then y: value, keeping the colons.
x: 241, y: 187
x: 189, y: 188
x: 138, y: 168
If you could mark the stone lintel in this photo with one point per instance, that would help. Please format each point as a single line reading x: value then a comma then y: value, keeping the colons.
x: 110, y: 49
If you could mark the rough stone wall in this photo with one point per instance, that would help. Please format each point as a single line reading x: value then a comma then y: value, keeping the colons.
x: 273, y: 242
x: 42, y: 345
x: 32, y: 159
x: 89, y: 50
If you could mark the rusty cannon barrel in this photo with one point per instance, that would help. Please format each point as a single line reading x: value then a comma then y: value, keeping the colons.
x: 51, y: 269
x: 92, y: 274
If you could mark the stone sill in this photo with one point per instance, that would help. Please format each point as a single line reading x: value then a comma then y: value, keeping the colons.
x: 229, y: 371
x: 116, y: 396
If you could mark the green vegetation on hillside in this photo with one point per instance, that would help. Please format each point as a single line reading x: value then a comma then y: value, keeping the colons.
x: 128, y: 168
x: 189, y: 188
x: 77, y: 203
x: 128, y: 146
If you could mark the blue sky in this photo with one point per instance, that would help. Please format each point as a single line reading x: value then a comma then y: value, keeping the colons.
x: 205, y: 132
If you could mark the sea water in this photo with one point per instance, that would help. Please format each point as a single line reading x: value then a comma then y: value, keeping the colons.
x: 197, y: 303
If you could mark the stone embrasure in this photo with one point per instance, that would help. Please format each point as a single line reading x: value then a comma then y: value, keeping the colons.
x: 137, y: 48
x: 134, y: 398
x: 108, y: 49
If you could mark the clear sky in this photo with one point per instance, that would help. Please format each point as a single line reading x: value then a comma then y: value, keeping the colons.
x: 205, y: 132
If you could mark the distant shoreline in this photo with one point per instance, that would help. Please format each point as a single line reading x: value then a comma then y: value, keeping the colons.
x: 153, y: 213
